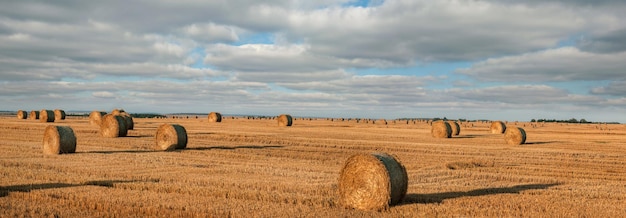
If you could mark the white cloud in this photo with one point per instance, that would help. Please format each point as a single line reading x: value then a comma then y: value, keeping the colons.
x: 104, y: 94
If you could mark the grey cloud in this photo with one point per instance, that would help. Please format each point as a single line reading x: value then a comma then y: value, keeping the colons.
x: 616, y: 88
x: 611, y: 42
x: 562, y: 64
x: 405, y: 31
x: 524, y: 95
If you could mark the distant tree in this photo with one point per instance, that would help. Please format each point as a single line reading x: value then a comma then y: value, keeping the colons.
x: 533, y: 120
x: 573, y: 120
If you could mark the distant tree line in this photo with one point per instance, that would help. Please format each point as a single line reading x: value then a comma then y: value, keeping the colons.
x: 572, y: 120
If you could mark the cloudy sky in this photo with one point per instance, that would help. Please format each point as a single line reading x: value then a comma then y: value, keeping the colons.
x: 473, y: 59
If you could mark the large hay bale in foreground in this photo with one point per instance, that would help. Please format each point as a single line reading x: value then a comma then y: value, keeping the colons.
x: 113, y: 126
x: 95, y: 117
x: 497, y: 127
x: 285, y: 120
x: 441, y: 129
x: 34, y: 115
x: 22, y: 115
x: 59, y: 140
x: 46, y: 116
x: 59, y: 114
x: 372, y: 182
x: 170, y: 137
x: 130, y: 123
x: 215, y: 117
x: 456, y: 128
x: 515, y: 136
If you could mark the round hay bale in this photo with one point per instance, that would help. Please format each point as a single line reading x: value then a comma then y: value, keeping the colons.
x: 34, y: 115
x: 117, y: 111
x: 59, y: 140
x: 22, y: 115
x: 497, y: 127
x: 215, y: 117
x: 95, y: 117
x: 130, y: 123
x: 59, y: 114
x: 515, y: 136
x: 372, y: 182
x: 46, y: 116
x: 113, y: 126
x: 456, y: 128
x: 170, y: 137
x: 441, y: 129
x: 285, y: 120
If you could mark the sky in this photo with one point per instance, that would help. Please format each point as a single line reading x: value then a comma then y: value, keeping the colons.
x: 460, y: 59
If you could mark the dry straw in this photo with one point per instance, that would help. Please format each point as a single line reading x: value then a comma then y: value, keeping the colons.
x: 59, y: 114
x: 113, y: 126
x: 170, y: 137
x: 456, y: 128
x: 22, y: 115
x: 95, y: 117
x: 441, y: 129
x: 117, y: 111
x: 372, y: 182
x: 215, y: 117
x: 515, y: 136
x: 59, y: 140
x: 46, y: 116
x: 34, y: 115
x: 128, y: 119
x: 497, y: 127
x: 285, y: 120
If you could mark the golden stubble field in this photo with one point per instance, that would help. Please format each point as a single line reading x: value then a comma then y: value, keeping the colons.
x: 253, y: 168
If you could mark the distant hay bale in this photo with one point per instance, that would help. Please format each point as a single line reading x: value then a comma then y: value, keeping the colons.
x: 22, y: 115
x: 441, y: 129
x: 95, y: 117
x: 456, y: 128
x: 515, y: 136
x: 372, y: 182
x: 128, y: 119
x: 117, y: 111
x: 215, y: 117
x: 497, y: 127
x: 285, y: 120
x: 59, y: 114
x: 170, y: 137
x: 113, y: 126
x: 46, y: 116
x: 34, y: 115
x: 59, y: 140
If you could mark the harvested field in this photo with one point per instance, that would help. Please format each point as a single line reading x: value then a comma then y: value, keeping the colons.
x: 246, y: 167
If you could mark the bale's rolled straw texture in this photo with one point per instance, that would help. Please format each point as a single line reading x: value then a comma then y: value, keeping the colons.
x: 59, y: 140
x: 22, y: 115
x: 285, y: 120
x: 46, y: 116
x: 170, y: 137
x: 441, y: 129
x: 456, y: 128
x: 215, y: 117
x: 34, y: 115
x: 515, y: 136
x: 130, y: 123
x: 497, y: 127
x: 59, y: 114
x: 95, y: 117
x: 117, y: 111
x: 113, y: 126
x: 372, y: 182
